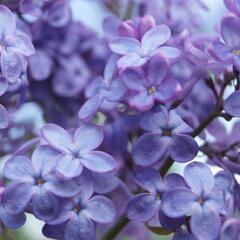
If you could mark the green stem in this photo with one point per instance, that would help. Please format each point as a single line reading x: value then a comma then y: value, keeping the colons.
x: 116, y: 228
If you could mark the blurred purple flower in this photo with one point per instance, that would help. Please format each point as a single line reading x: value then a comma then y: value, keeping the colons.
x: 228, y: 51
x: 15, y: 46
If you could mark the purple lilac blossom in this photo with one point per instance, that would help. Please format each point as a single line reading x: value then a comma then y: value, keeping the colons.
x: 81, y: 212
x: 151, y: 85
x: 202, y: 200
x: 136, y: 52
x: 168, y: 135
x: 76, y: 152
x: 41, y: 185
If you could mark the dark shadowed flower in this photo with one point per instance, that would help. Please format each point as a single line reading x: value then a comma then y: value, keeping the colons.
x: 144, y: 206
x: 168, y: 136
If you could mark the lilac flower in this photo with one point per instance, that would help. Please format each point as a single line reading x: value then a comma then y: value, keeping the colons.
x: 36, y: 179
x: 81, y: 212
x: 228, y: 50
x: 106, y: 88
x: 202, y: 201
x: 168, y: 136
x: 144, y: 206
x: 136, y: 52
x: 56, y: 13
x: 76, y: 152
x: 150, y: 87
x: 15, y: 46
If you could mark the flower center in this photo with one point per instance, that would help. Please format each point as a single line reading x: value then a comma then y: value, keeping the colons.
x: 166, y: 132
x: 39, y: 181
x: 152, y: 90
x: 77, y: 209
x: 236, y: 52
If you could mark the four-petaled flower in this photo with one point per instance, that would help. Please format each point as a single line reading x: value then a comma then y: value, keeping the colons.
x: 38, y: 183
x: 151, y: 85
x: 202, y: 200
x: 137, y: 52
x: 168, y: 136
x: 76, y: 152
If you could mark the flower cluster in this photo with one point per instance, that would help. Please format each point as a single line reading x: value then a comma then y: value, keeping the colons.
x: 117, y: 113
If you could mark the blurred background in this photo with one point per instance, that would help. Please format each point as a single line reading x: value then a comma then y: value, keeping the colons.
x: 92, y: 13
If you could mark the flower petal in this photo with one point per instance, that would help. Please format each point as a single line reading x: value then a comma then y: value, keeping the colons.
x: 18, y: 168
x: 79, y: 228
x: 134, y: 79
x: 44, y: 159
x: 16, y: 197
x: 90, y: 107
x: 125, y: 45
x: 12, y: 221
x: 170, y: 53
x: 100, y: 209
x: 40, y: 65
x: 155, y: 37
x: 148, y: 178
x: 199, y: 177
x: 142, y: 207
x: 11, y: 64
x: 68, y: 167
x: 157, y: 68
x: 98, y: 161
x: 57, y: 137
x: 229, y: 30
x: 205, y: 224
x: 7, y: 21
x: 88, y: 137
x: 183, y: 148
x: 232, y: 104
x: 131, y: 60
x: 178, y: 202
x: 44, y: 204
x: 148, y: 149
x: 22, y: 45
x: 142, y: 101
